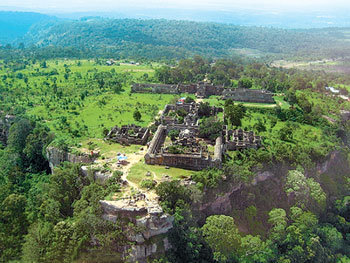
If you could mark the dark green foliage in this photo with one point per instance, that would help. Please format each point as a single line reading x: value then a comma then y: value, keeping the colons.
x: 189, y: 100
x: 210, y: 128
x: 234, y: 113
x: 148, y: 184
x: 208, y: 178
x: 158, y: 39
x: 245, y: 83
x: 204, y: 109
x: 187, y: 242
x: 13, y: 226
x: 18, y: 135
x: 67, y: 183
x: 173, y: 134
x: 172, y: 194
x: 137, y: 115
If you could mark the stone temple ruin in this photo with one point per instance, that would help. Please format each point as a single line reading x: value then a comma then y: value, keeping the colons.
x: 194, y: 157
x: 129, y: 134
x: 248, y: 95
x: 189, y: 151
x: 191, y: 109
x: 239, y: 140
x: 205, y: 90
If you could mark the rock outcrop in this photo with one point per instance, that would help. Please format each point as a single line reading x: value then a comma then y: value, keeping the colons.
x: 266, y: 191
x: 5, y: 124
x: 56, y: 156
x: 150, y: 222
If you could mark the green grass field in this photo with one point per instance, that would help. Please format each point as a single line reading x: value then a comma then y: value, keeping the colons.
x: 138, y: 172
x: 67, y: 97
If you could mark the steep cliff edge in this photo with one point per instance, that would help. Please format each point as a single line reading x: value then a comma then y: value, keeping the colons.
x: 151, y: 224
x: 56, y: 156
x: 249, y: 203
x: 5, y: 124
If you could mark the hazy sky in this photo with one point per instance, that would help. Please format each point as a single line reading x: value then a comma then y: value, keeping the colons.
x: 113, y: 5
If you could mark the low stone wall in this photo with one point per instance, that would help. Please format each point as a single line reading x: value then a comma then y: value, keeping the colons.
x: 157, y: 141
x: 248, y: 95
x: 154, y: 88
x: 121, y: 135
x: 184, y: 161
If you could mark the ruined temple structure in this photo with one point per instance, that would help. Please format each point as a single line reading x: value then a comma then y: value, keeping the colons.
x: 201, y: 89
x: 195, y: 157
x: 129, y: 134
x: 240, y: 140
x: 192, y: 117
x: 205, y: 90
x: 248, y: 95
x: 186, y: 152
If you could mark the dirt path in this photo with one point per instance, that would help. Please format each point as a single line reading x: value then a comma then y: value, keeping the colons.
x: 133, y: 159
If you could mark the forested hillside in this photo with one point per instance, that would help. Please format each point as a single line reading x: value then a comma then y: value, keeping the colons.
x: 178, y: 39
x: 14, y: 25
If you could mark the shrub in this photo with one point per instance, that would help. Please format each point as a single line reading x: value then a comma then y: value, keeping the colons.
x: 148, y: 184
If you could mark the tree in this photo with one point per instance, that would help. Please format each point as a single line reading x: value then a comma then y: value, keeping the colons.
x: 173, y: 194
x: 173, y: 134
x: 18, y: 135
x: 307, y: 192
x: 137, y: 115
x: 291, y: 97
x: 221, y: 234
x: 204, y: 109
x: 189, y: 99
x: 234, y: 113
x: 210, y: 128
x: 245, y: 83
x: 286, y: 132
x: 278, y: 220
x: 13, y: 226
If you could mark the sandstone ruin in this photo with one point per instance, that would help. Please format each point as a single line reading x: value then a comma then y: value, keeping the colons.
x: 240, y: 140
x: 205, y: 90
x: 129, y: 134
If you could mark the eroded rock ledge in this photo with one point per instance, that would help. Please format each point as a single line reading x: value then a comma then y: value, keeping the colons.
x: 151, y: 223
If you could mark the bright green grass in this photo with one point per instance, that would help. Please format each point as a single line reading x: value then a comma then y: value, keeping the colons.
x: 109, y: 149
x: 138, y: 172
x: 281, y: 102
x: 216, y: 101
x: 304, y: 134
x: 69, y: 114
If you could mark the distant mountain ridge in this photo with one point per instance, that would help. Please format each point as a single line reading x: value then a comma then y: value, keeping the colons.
x: 161, y: 38
x: 173, y: 38
x: 14, y: 25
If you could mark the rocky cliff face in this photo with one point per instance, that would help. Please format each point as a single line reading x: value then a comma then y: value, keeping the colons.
x: 56, y: 156
x: 5, y: 124
x: 266, y: 192
x: 151, y: 224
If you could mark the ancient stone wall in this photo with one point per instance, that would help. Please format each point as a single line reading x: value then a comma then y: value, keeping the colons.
x: 154, y: 88
x: 218, y: 152
x: 240, y: 140
x: 248, y: 95
x: 201, y: 89
x: 195, y: 161
x: 122, y: 135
